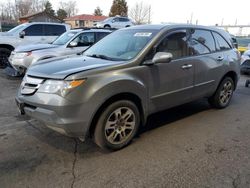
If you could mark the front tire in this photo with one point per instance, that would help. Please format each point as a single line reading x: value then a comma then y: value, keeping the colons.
x: 4, y: 55
x: 117, y: 125
x: 223, y: 95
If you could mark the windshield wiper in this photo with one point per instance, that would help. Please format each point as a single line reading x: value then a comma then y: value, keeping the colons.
x: 100, y: 56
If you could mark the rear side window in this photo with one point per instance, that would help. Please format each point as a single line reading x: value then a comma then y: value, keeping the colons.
x: 54, y: 30
x: 201, y: 42
x: 100, y: 35
x: 123, y: 20
x: 175, y: 43
x: 34, y: 30
x: 221, y: 42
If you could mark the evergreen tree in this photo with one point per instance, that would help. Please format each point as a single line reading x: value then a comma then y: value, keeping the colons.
x: 49, y: 9
x: 119, y: 7
x: 61, y: 14
x: 98, y: 11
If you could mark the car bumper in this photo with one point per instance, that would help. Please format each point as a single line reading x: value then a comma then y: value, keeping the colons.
x: 57, y: 113
x: 20, y: 64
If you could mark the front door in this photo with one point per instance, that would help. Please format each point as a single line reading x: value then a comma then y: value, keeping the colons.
x: 172, y: 83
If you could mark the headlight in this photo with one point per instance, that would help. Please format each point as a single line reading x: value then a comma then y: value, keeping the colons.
x: 60, y: 87
x: 22, y: 55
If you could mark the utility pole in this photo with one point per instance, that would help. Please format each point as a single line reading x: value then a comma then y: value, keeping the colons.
x: 191, y: 18
x: 222, y: 20
x: 149, y: 14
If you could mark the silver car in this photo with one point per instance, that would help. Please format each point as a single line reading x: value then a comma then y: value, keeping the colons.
x: 69, y: 43
x: 109, y: 91
x: 115, y: 22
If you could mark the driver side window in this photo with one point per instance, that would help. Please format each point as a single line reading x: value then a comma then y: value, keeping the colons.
x: 85, y: 39
x: 175, y: 43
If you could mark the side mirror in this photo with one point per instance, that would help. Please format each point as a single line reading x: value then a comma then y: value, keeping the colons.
x: 162, y: 57
x: 22, y: 34
x: 73, y: 44
x: 113, y: 21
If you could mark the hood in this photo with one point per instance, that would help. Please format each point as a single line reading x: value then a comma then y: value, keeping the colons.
x: 5, y: 34
x: 34, y: 47
x: 60, y: 68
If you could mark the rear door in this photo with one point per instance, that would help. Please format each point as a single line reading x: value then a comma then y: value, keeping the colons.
x: 51, y: 32
x: 208, y: 61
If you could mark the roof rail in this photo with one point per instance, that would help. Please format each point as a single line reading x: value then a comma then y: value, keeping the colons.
x: 88, y: 28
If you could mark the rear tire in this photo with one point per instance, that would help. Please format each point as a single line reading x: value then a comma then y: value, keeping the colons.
x: 4, y: 55
x: 117, y: 125
x: 223, y: 95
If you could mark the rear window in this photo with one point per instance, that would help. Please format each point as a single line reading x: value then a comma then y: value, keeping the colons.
x: 54, y: 30
x: 201, y: 42
x: 100, y: 35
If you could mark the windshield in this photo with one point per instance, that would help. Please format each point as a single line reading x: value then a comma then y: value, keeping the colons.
x: 243, y: 42
x: 121, y: 45
x: 18, y: 28
x: 64, y: 38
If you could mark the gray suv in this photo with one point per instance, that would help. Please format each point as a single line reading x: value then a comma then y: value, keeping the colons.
x: 109, y: 91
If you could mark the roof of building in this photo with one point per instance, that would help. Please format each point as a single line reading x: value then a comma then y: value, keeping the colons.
x: 37, y: 14
x: 86, y: 17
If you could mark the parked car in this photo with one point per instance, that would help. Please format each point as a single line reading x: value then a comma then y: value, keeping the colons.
x: 109, y: 91
x: 27, y: 33
x: 69, y: 43
x: 115, y: 22
x: 245, y: 63
x: 243, y: 44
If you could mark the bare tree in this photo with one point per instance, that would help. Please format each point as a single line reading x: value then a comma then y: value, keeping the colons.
x: 140, y: 13
x: 69, y: 6
x: 38, y: 5
x: 12, y: 11
x: 24, y: 7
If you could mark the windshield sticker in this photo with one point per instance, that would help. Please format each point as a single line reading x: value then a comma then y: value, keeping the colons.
x: 142, y: 34
x: 71, y: 34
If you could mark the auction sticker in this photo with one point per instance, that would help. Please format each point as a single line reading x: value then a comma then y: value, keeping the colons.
x: 142, y: 34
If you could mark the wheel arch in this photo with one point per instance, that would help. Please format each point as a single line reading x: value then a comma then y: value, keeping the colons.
x: 233, y: 75
x: 7, y: 46
x: 120, y: 96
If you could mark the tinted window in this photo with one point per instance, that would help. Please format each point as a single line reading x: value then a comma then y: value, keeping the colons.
x: 34, y: 30
x: 85, y: 39
x: 116, y: 20
x: 54, y: 30
x: 201, y: 42
x: 221, y: 42
x: 123, y: 20
x: 100, y: 35
x: 175, y: 43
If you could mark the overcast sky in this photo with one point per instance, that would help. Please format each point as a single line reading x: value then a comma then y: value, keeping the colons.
x: 207, y: 12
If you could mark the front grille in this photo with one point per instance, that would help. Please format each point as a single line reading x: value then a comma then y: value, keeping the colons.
x: 30, y: 85
x: 246, y: 63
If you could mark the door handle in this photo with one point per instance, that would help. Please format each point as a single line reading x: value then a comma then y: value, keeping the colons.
x: 187, y: 66
x: 220, y: 58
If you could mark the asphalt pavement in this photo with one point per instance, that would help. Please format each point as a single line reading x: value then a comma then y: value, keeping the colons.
x: 191, y: 145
